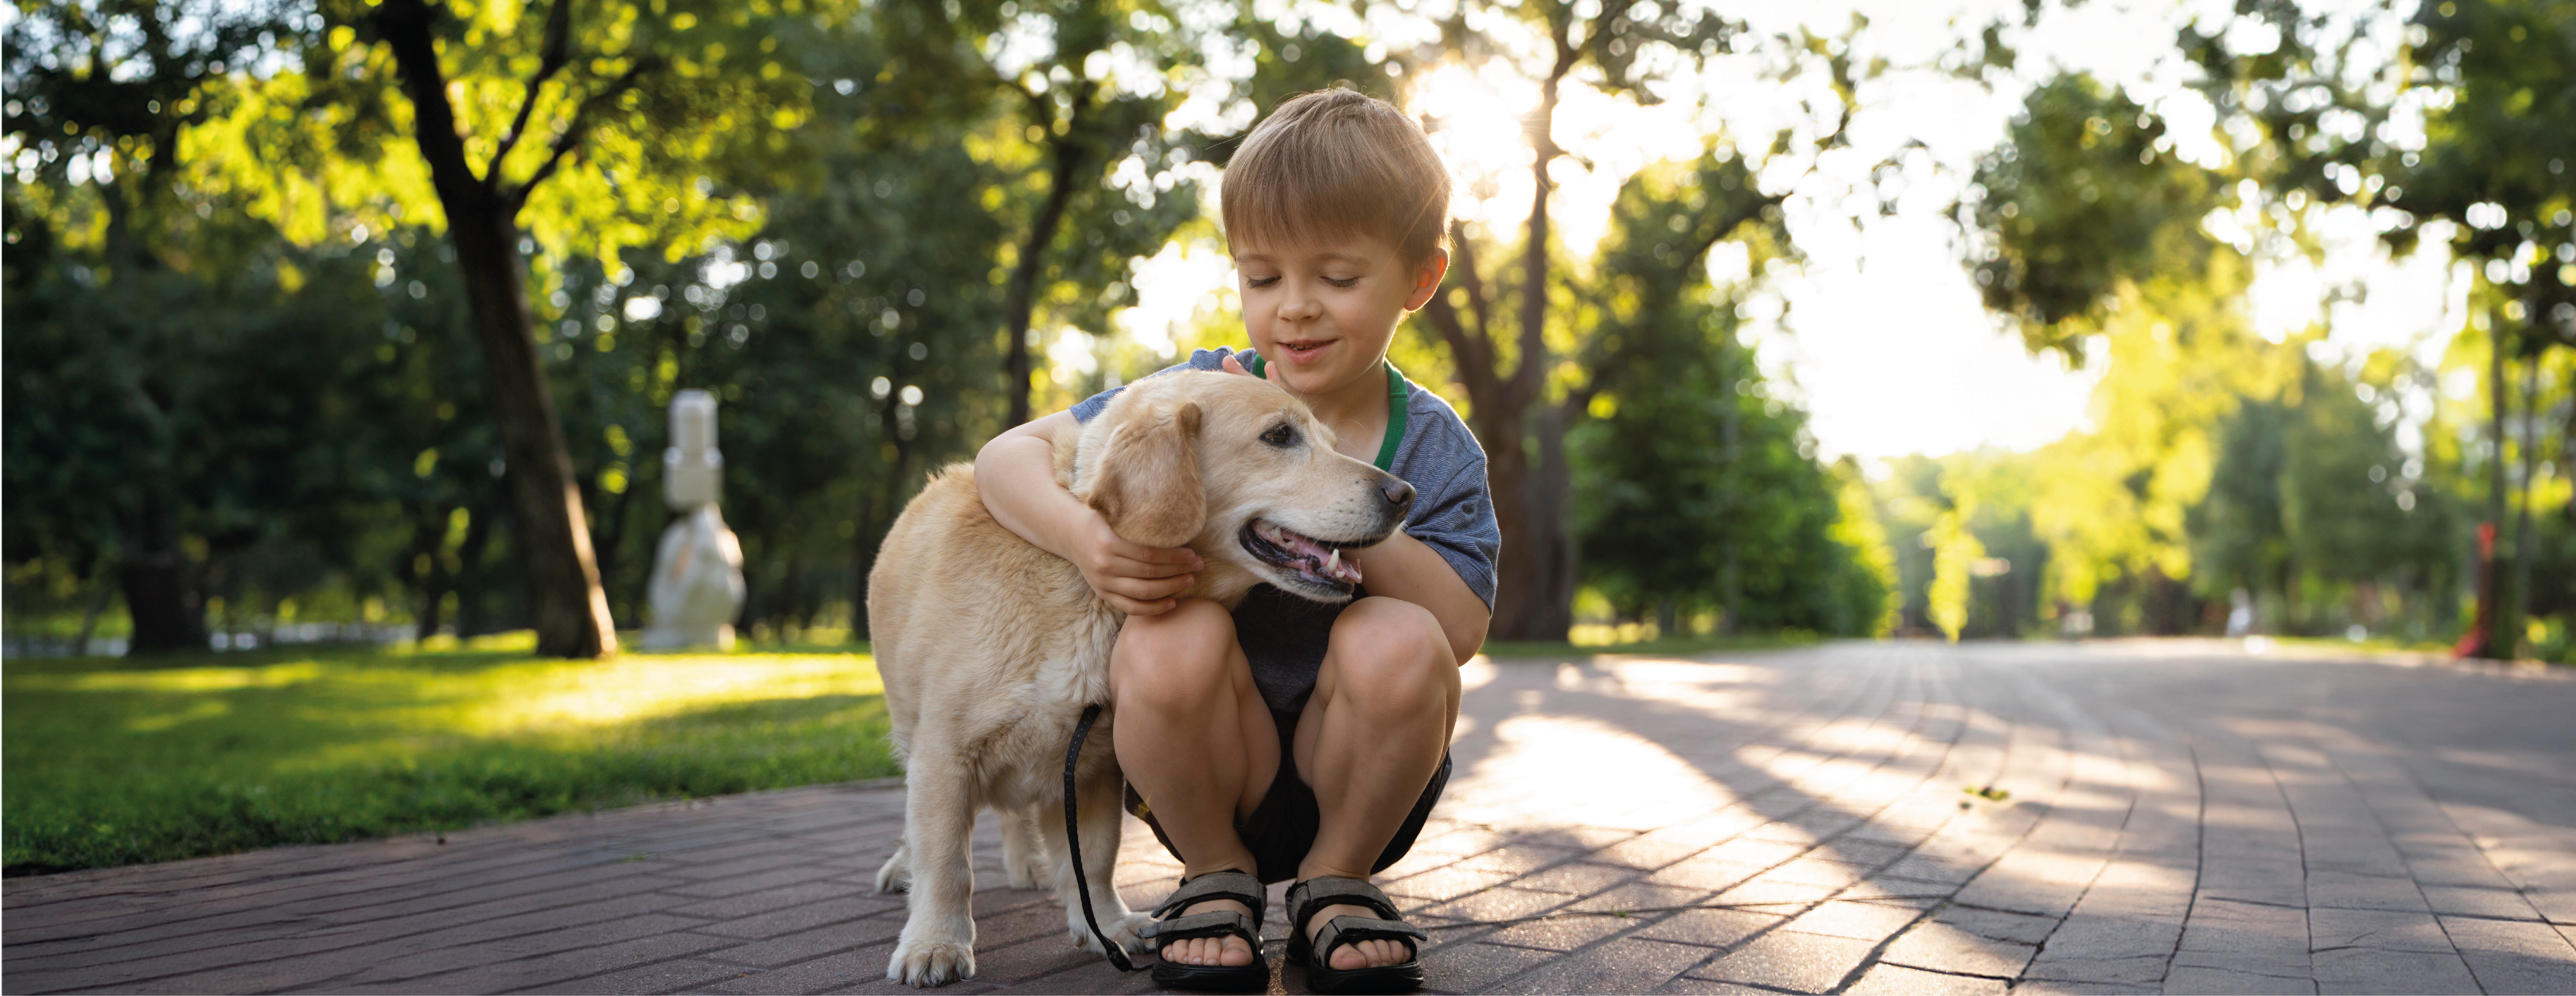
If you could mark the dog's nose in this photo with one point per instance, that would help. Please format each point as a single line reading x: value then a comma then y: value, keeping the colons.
x: 1398, y: 494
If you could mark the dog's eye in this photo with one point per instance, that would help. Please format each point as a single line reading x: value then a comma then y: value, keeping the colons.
x: 1281, y: 436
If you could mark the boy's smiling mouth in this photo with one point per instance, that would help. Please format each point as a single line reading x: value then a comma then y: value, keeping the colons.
x: 1304, y: 350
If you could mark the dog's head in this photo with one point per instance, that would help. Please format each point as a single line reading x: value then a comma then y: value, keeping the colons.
x: 1242, y: 472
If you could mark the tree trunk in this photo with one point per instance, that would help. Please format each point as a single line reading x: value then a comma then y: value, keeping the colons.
x: 472, y: 577
x: 100, y: 591
x: 160, y: 595
x: 1537, y: 558
x: 429, y: 530
x: 1551, y: 529
x: 571, y: 610
x: 863, y: 559
x: 1024, y: 277
x: 1730, y: 575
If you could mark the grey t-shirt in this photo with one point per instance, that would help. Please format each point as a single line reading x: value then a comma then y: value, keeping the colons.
x: 1284, y: 636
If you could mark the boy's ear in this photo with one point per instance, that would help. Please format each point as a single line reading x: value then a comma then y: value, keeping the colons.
x: 1148, y: 483
x: 1426, y: 279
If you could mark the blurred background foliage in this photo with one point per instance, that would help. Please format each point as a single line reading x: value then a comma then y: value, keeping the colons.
x: 244, y: 390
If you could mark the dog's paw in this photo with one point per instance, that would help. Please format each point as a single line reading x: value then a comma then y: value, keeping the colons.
x: 930, y: 963
x: 1122, y: 930
x: 895, y: 875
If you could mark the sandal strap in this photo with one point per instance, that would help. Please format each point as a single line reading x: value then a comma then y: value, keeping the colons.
x: 1234, y: 885
x: 1333, y: 890
x: 1343, y: 931
x: 1216, y: 923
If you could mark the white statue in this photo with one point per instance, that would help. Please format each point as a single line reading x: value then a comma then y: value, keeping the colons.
x: 697, y: 574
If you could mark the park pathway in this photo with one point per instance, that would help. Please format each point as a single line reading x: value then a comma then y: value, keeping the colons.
x: 1855, y: 818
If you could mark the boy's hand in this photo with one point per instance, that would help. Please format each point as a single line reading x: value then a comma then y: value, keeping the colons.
x: 1133, y: 578
x: 1233, y: 367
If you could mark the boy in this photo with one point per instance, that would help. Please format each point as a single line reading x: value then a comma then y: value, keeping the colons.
x: 1290, y: 739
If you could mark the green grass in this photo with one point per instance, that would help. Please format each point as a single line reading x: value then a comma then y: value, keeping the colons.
x: 1676, y: 646
x: 112, y: 762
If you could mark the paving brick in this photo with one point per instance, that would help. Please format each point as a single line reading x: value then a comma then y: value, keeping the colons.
x: 1626, y: 965
x: 1704, y: 872
x: 1441, y: 885
x: 1686, y: 984
x: 1940, y: 947
x: 1577, y: 878
x: 1861, y: 921
x: 2372, y: 970
x: 2220, y: 982
x: 788, y: 949
x: 1898, y: 980
x: 2337, y: 890
x: 2503, y: 904
x: 1781, y: 960
x: 1715, y: 928
x: 660, y: 977
x: 1474, y: 968
x: 2513, y: 957
x: 1562, y: 933
x: 1997, y: 924
x: 2219, y: 925
x: 2383, y: 930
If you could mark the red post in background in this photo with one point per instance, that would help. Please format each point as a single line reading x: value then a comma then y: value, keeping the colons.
x: 2479, y: 640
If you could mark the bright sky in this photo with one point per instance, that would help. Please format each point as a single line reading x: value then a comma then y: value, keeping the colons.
x: 1879, y: 334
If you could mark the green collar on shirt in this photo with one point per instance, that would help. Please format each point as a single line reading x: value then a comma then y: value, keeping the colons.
x: 1396, y: 398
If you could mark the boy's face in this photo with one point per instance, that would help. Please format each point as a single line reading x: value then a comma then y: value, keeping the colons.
x: 1322, y: 313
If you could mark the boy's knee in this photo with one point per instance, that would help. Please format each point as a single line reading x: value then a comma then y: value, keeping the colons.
x: 1393, y: 650
x: 1182, y: 653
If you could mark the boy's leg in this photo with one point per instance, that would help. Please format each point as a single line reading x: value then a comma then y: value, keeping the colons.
x: 1196, y: 740
x: 1370, y: 739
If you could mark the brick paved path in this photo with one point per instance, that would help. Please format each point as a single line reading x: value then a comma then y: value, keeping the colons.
x: 2156, y: 817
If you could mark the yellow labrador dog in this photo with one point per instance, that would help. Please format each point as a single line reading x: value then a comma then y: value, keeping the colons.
x: 990, y: 647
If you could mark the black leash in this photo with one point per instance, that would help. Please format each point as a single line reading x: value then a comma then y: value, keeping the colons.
x: 1073, y: 841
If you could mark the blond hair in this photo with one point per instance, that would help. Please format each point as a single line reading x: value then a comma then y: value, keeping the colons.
x: 1335, y: 163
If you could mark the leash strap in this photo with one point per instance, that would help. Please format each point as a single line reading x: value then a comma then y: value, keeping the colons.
x: 1073, y: 841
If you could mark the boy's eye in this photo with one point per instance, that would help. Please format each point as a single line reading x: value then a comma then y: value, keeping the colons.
x: 1259, y: 281
x: 1341, y: 281
x: 1280, y: 436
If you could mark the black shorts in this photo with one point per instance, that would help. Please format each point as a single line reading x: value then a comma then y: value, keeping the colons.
x: 1282, y: 828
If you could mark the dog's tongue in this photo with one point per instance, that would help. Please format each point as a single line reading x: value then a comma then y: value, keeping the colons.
x: 1323, y: 561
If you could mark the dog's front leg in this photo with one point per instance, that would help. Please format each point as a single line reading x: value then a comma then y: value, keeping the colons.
x: 1098, y: 813
x: 938, y: 945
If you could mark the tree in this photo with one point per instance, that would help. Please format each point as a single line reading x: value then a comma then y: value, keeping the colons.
x: 2089, y: 235
x: 1696, y: 488
x: 1518, y: 410
x: 100, y: 94
x: 2491, y: 80
x: 651, y: 105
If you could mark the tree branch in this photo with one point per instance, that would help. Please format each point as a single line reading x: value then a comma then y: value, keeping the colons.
x: 405, y: 26
x: 573, y: 131
x: 554, y: 53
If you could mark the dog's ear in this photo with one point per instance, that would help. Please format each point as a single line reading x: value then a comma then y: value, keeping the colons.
x: 1148, y: 484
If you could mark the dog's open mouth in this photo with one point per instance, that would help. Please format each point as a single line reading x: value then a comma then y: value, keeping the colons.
x: 1316, y: 562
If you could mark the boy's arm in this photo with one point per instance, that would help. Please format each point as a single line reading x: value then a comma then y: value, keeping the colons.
x: 1015, y: 475
x: 1409, y: 570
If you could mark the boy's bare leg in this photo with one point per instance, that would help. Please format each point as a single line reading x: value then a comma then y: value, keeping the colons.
x: 1195, y: 738
x: 1369, y: 741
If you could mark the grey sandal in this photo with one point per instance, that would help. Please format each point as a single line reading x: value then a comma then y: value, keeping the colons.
x: 1342, y: 931
x: 1234, y: 885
